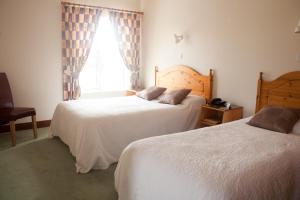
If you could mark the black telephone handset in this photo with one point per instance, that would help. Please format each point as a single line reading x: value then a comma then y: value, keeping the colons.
x: 218, y: 102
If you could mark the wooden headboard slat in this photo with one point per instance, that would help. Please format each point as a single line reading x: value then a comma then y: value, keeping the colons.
x: 283, y: 91
x: 185, y: 77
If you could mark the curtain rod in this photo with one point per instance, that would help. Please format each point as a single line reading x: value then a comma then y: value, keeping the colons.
x: 101, y: 7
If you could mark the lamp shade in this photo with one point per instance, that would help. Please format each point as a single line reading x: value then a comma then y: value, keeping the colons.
x: 297, y: 29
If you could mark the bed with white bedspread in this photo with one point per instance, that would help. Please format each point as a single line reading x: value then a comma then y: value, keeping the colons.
x: 97, y: 131
x: 230, y: 161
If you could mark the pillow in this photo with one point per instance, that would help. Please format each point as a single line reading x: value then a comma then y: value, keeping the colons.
x: 277, y: 119
x: 151, y: 93
x: 296, y: 128
x: 174, y: 97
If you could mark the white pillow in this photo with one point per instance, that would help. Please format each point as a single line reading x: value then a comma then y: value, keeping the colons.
x: 296, y: 128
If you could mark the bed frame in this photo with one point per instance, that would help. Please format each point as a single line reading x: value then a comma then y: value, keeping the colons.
x: 283, y: 91
x: 181, y: 76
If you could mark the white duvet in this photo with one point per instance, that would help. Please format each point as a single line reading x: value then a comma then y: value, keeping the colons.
x: 233, y: 161
x: 97, y: 131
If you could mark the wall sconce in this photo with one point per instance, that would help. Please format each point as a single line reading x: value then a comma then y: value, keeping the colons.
x: 178, y: 38
x: 297, y: 29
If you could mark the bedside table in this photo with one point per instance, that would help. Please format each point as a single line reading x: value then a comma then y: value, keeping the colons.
x: 130, y: 92
x: 211, y: 116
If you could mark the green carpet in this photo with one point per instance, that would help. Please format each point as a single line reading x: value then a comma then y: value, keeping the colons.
x: 23, y: 137
x: 44, y: 169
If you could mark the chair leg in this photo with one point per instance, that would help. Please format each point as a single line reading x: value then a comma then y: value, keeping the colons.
x: 34, y: 126
x: 12, y: 125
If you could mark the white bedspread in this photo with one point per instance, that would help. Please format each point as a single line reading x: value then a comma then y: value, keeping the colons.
x: 233, y: 161
x: 97, y: 131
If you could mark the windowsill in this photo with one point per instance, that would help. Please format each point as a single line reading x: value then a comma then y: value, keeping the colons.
x: 95, y: 94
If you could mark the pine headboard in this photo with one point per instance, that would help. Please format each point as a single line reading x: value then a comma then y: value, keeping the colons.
x: 283, y: 91
x: 181, y: 76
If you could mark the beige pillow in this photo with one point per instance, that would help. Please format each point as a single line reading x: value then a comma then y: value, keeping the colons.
x: 274, y: 118
x: 151, y: 93
x: 174, y: 97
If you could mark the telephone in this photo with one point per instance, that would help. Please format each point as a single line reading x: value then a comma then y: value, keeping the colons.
x: 219, y: 103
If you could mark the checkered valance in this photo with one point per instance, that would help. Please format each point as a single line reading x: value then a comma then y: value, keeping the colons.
x: 128, y: 33
x: 79, y: 25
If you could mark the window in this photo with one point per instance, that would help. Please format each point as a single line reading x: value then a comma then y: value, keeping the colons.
x: 104, y: 69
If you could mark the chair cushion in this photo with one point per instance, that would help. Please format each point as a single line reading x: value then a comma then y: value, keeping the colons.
x: 13, y: 114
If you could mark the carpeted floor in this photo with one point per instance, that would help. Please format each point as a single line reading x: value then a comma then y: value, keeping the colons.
x: 23, y: 137
x: 44, y: 169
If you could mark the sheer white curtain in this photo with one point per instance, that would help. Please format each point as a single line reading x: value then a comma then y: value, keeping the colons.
x: 104, y: 70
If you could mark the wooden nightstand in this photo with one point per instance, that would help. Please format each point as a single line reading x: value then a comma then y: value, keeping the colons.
x: 131, y: 92
x: 211, y: 116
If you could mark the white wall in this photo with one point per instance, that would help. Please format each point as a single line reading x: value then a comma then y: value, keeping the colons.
x: 30, y: 49
x: 237, y: 38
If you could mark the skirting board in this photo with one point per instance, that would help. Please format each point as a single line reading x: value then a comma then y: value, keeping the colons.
x: 25, y: 126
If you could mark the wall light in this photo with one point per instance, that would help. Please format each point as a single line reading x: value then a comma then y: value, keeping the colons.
x: 178, y: 38
x: 297, y: 29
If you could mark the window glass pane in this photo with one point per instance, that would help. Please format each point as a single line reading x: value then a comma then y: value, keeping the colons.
x: 104, y: 69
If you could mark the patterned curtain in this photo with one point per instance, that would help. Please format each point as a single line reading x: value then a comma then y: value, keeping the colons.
x: 127, y: 27
x: 79, y: 25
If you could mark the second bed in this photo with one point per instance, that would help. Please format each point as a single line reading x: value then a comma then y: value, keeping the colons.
x: 97, y: 131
